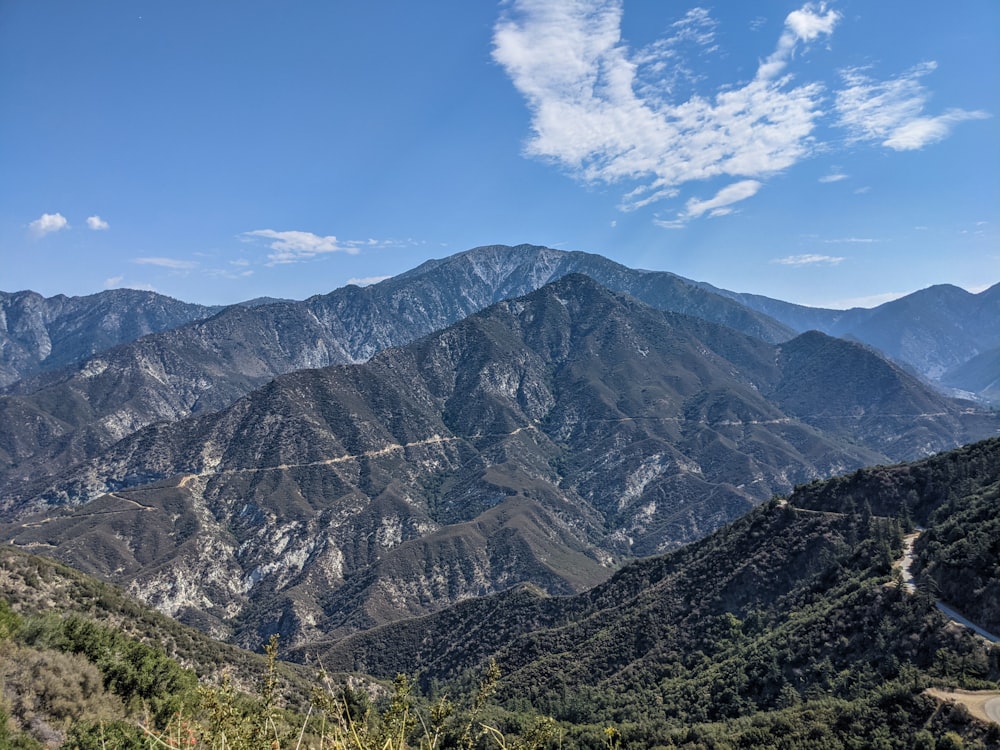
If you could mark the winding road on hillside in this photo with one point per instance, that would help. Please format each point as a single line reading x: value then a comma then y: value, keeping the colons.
x: 984, y: 705
x: 904, y: 565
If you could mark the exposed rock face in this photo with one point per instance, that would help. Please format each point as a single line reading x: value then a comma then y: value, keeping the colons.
x: 541, y: 440
x: 38, y: 333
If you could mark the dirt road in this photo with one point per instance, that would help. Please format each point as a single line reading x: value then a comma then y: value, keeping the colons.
x: 983, y: 704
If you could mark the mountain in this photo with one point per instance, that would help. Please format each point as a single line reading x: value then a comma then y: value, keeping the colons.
x: 933, y: 330
x: 39, y: 333
x: 979, y: 376
x: 52, y: 421
x: 541, y: 440
x: 790, y: 623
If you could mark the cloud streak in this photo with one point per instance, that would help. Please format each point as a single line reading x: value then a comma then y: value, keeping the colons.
x: 293, y: 246
x: 173, y: 264
x: 809, y: 260
x: 890, y: 112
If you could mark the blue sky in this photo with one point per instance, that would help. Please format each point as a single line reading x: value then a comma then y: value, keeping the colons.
x: 828, y: 154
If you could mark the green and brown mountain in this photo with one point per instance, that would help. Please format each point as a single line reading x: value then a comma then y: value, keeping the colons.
x: 542, y: 440
x: 790, y: 627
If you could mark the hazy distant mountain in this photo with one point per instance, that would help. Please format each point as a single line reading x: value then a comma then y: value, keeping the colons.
x: 39, y: 333
x: 933, y: 330
x: 51, y: 421
x: 540, y: 440
x: 980, y: 376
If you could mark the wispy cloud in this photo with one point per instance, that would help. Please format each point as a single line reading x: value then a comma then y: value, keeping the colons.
x: 833, y: 177
x: 850, y: 241
x: 891, y: 112
x: 720, y: 203
x: 872, y: 300
x: 97, y: 223
x: 368, y: 280
x: 293, y: 246
x: 118, y: 282
x: 608, y: 114
x: 48, y: 223
x: 809, y: 260
x: 171, y: 263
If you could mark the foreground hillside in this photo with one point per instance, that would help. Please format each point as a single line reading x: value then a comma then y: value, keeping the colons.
x: 542, y: 440
x: 76, y: 653
x: 789, y: 628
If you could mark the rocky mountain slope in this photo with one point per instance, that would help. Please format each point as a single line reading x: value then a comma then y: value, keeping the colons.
x: 50, y: 422
x: 541, y: 440
x: 786, y: 628
x: 39, y: 333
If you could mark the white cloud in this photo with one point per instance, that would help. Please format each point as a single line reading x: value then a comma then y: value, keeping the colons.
x: 850, y: 241
x: 891, y: 112
x: 923, y: 131
x: 113, y: 282
x: 834, y: 177
x: 609, y: 114
x: 809, y: 260
x: 590, y: 116
x: 171, y: 263
x: 97, y: 223
x: 803, y: 25
x: 293, y: 246
x: 810, y: 21
x: 48, y: 223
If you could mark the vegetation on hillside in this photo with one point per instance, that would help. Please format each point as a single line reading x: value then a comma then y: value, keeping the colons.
x: 787, y: 629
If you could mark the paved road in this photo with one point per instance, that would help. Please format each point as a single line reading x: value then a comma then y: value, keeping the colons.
x: 971, y: 625
x: 909, y: 584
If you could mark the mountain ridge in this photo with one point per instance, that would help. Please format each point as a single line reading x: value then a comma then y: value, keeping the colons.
x: 207, y: 365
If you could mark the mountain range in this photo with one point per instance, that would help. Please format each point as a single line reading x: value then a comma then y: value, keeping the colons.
x: 543, y: 439
x: 538, y: 459
x: 64, y: 406
x: 39, y: 333
x: 932, y: 331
